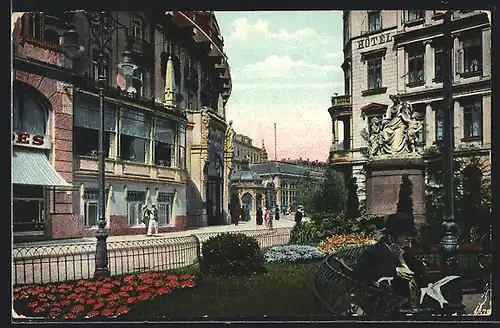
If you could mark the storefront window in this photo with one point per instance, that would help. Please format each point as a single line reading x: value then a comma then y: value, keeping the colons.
x: 29, y: 113
x: 164, y: 142
x: 28, y: 208
x: 135, y: 135
x: 182, y: 147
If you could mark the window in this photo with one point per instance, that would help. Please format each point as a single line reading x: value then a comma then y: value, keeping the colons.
x: 473, y: 117
x: 473, y: 54
x: 164, y: 142
x: 439, y: 121
x: 95, y: 66
x: 416, y: 66
x: 135, y: 200
x: 91, y: 206
x: 137, y: 27
x: 138, y: 81
x: 164, y: 206
x: 374, y: 20
x: 35, y: 23
x: 135, y: 135
x: 375, y: 73
x: 191, y: 100
x: 438, y: 63
x: 87, y: 125
x: 29, y: 113
x: 182, y: 147
x: 414, y: 15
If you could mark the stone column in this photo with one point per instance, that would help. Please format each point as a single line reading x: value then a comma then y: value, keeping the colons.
x: 458, y: 124
x: 457, y: 57
x: 430, y: 126
x: 228, y: 162
x: 428, y: 63
x: 486, y: 121
x: 486, y: 51
x: 401, y: 59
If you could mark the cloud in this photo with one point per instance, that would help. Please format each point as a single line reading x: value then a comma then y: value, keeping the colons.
x: 276, y: 67
x: 331, y: 55
x: 243, y: 29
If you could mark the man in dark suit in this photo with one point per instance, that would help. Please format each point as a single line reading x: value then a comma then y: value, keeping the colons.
x: 390, y: 258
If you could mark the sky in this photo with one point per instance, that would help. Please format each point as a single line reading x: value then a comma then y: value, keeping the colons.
x: 285, y: 67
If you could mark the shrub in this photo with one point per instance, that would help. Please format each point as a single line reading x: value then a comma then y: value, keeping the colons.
x: 352, y: 203
x: 305, y: 233
x: 232, y: 254
x: 292, y: 253
x: 338, y: 242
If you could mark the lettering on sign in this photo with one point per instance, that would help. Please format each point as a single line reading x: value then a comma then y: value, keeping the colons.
x: 30, y: 140
x: 374, y: 40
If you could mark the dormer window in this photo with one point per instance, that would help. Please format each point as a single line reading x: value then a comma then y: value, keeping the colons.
x: 137, y: 27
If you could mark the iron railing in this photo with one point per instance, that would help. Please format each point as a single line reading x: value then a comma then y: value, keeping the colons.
x: 66, y: 262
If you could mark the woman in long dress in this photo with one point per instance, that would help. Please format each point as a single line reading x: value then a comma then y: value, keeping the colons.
x: 394, y: 133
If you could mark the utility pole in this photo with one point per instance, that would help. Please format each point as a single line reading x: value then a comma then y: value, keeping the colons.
x: 275, y: 147
x: 452, y: 291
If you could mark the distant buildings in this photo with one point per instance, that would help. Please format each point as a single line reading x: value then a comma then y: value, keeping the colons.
x: 400, y: 52
x: 244, y: 148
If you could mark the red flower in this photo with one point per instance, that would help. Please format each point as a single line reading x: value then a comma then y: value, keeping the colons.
x: 131, y: 300
x: 39, y: 309
x: 65, y: 302
x: 172, y: 277
x: 92, y: 314
x: 163, y: 291
x: 113, y: 297
x: 123, y: 294
x: 122, y: 310
x: 126, y: 288
x: 55, y: 309
x: 52, y: 314
x: 108, y: 285
x: 111, y: 304
x: 69, y: 316
x: 80, y: 300
x: 98, y: 306
x: 107, y: 312
x: 144, y: 296
x: 77, y: 308
x: 103, y: 291
x: 142, y: 288
x: 81, y: 282
x: 33, y: 304
x: 90, y: 301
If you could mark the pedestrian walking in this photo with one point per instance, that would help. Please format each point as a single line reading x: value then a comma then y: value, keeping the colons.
x: 267, y: 215
x: 153, y: 222
x: 277, y: 215
x: 298, y: 217
x: 259, y: 215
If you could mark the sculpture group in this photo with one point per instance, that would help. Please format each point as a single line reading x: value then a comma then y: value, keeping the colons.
x: 397, y: 132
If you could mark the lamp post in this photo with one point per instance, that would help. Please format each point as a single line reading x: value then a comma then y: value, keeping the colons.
x: 102, y: 27
x: 449, y: 242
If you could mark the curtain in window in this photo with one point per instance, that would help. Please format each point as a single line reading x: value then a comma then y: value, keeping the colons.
x: 29, y: 115
x: 135, y: 123
x: 164, y: 130
x: 87, y: 114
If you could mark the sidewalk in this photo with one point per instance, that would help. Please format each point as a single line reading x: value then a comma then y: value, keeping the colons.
x: 283, y: 222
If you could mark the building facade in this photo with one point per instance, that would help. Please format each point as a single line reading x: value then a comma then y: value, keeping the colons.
x: 244, y: 149
x: 390, y: 52
x: 150, y: 120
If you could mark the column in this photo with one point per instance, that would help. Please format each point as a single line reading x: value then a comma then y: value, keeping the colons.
x: 401, y: 72
x: 335, y: 131
x: 486, y: 51
x: 428, y: 63
x: 457, y: 64
x: 430, y: 126
x: 486, y: 121
x: 458, y: 124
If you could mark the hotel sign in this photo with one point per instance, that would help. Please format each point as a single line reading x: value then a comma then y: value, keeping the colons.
x: 374, y: 40
x: 25, y: 139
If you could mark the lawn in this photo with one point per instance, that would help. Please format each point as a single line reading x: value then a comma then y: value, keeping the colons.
x: 286, y: 290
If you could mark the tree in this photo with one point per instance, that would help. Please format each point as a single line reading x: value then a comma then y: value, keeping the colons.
x: 306, y: 191
x: 352, y: 203
x: 331, y: 197
x: 405, y: 202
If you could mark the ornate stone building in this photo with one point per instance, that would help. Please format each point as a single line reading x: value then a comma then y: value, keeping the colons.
x: 244, y: 149
x: 389, y: 52
x: 162, y: 125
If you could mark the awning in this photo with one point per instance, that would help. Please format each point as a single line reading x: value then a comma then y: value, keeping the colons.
x: 33, y: 168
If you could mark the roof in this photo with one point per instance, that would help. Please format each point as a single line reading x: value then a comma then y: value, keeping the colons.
x: 279, y: 167
x: 373, y: 106
x: 246, y: 174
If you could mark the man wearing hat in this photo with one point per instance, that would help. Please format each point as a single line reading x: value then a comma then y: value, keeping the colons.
x: 391, y: 258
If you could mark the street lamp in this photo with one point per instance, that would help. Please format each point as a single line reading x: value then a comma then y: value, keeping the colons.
x: 449, y: 242
x: 102, y: 27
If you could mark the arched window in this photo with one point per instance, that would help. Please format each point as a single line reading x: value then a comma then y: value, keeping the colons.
x: 30, y: 110
x: 137, y: 27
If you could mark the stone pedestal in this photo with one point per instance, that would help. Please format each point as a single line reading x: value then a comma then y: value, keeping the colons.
x: 383, y: 181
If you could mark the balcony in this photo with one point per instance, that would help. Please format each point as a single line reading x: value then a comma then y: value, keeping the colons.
x: 341, y: 105
x: 141, y: 49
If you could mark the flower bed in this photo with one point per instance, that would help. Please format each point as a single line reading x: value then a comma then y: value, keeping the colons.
x: 292, y: 253
x: 338, y: 242
x: 109, y: 297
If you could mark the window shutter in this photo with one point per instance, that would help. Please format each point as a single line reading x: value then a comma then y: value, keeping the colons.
x: 459, y: 61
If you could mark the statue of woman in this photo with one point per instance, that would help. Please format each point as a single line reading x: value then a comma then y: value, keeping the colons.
x: 414, y: 127
x: 396, y: 121
x: 375, y: 129
x: 229, y: 138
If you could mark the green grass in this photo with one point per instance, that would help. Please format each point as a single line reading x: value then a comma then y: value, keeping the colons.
x: 286, y: 290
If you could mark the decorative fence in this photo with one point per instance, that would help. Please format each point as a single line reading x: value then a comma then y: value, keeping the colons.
x: 63, y: 262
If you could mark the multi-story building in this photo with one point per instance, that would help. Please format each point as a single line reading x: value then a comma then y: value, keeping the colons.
x: 157, y: 124
x: 243, y: 148
x: 400, y: 52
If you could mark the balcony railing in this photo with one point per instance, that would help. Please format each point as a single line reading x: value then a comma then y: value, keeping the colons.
x: 341, y: 101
